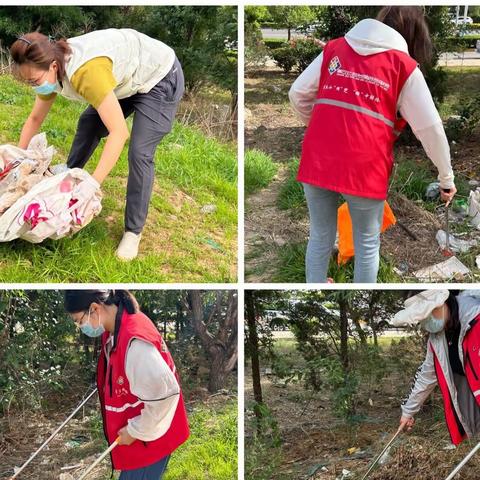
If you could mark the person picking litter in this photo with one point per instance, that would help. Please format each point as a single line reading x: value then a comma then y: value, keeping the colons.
x: 118, y: 72
x: 350, y: 97
x: 452, y: 361
x: 138, y: 386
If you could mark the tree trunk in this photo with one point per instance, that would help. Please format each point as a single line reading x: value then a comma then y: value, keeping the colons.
x: 253, y: 345
x: 221, y: 348
x: 342, y: 303
x: 289, y: 33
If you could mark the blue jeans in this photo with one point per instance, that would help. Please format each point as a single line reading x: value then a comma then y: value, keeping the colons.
x: 367, y: 218
x: 153, y: 472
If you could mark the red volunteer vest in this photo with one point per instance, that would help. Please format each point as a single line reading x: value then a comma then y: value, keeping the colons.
x: 119, y: 404
x: 348, y: 145
x: 471, y: 363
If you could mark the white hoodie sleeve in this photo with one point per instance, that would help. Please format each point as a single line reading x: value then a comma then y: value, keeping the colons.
x: 417, y: 108
x: 153, y: 382
x: 425, y: 382
x: 304, y: 90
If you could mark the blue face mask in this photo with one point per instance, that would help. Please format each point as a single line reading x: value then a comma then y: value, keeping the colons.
x: 46, y: 88
x: 88, y: 330
x: 433, y: 324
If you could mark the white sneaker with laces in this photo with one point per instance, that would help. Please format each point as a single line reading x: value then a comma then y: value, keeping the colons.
x: 128, y: 247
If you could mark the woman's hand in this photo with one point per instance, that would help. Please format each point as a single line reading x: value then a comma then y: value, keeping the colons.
x: 124, y: 437
x: 34, y: 120
x: 447, y: 197
x: 407, y: 423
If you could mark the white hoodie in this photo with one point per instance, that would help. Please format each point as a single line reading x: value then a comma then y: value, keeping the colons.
x: 415, y: 102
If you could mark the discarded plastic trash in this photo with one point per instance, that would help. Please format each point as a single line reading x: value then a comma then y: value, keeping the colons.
x: 345, y: 474
x: 474, y: 207
x: 451, y: 268
x: 451, y: 446
x: 456, y: 244
x: 208, y: 209
x: 433, y: 191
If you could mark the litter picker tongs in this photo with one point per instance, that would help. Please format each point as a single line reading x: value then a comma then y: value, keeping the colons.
x: 99, y: 459
x: 387, y: 446
x: 463, y: 462
x: 53, y: 435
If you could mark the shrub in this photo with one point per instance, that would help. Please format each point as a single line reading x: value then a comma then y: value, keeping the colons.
x: 273, y: 43
x: 462, y: 125
x: 299, y: 53
x: 306, y: 50
x: 285, y: 58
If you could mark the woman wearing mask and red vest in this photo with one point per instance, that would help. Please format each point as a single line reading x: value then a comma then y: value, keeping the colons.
x: 349, y: 97
x: 138, y: 385
x: 118, y: 73
x: 452, y: 359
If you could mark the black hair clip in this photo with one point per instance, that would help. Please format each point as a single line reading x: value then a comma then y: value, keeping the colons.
x: 23, y: 39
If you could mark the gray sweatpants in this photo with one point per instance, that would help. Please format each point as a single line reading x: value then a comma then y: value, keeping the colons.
x: 154, y: 113
x: 367, y: 218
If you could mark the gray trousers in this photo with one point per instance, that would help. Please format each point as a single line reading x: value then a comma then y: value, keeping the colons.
x: 367, y: 217
x: 154, y: 113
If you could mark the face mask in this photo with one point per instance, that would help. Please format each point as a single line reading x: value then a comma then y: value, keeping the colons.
x: 88, y: 330
x: 46, y: 88
x: 433, y: 324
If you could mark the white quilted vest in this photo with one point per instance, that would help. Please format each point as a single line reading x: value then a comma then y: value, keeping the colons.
x: 139, y: 62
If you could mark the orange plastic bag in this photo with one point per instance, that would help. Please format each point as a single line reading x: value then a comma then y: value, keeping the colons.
x: 346, y: 250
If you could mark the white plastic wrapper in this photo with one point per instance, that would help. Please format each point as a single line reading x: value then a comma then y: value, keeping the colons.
x: 474, y: 207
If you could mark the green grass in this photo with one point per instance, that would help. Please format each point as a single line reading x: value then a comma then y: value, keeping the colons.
x: 180, y: 244
x: 211, y: 451
x: 291, y: 267
x: 291, y: 194
x: 260, y: 170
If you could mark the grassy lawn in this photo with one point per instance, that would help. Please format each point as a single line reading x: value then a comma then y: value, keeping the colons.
x: 180, y: 243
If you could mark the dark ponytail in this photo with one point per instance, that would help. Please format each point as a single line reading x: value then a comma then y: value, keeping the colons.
x: 40, y: 51
x: 80, y: 300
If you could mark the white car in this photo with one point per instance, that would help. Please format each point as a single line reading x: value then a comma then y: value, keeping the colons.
x: 462, y: 21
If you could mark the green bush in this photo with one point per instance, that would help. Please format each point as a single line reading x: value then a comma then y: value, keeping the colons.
x: 462, y: 43
x: 259, y: 170
x: 299, y: 53
x: 291, y: 195
x: 462, y: 125
x: 285, y: 58
x: 273, y: 43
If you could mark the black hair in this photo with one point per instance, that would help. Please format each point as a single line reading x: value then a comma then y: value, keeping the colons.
x: 452, y: 304
x: 80, y: 300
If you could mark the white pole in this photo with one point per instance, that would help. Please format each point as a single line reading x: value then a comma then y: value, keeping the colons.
x: 99, y: 459
x: 53, y: 435
x: 463, y: 462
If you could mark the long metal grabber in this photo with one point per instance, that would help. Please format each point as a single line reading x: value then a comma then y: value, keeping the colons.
x: 463, y: 462
x: 52, y: 436
x: 99, y: 459
x: 387, y: 446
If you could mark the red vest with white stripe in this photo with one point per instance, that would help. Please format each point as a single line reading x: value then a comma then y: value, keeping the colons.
x: 348, y: 145
x: 471, y: 364
x: 119, y: 404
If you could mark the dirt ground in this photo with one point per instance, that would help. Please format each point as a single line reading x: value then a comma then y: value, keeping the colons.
x: 69, y: 453
x: 272, y: 127
x: 315, y: 444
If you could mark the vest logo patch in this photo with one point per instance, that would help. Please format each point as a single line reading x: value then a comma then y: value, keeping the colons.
x: 120, y: 380
x: 334, y: 65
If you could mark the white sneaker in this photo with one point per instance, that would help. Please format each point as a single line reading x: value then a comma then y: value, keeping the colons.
x: 128, y: 247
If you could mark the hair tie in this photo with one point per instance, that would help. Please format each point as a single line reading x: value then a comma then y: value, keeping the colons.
x: 51, y: 39
x: 23, y: 39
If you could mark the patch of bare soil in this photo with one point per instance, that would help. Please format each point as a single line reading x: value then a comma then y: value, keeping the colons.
x: 318, y: 445
x: 411, y: 254
x: 69, y: 453
x: 267, y: 228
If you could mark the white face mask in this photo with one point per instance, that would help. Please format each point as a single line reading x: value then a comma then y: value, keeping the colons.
x: 433, y: 324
